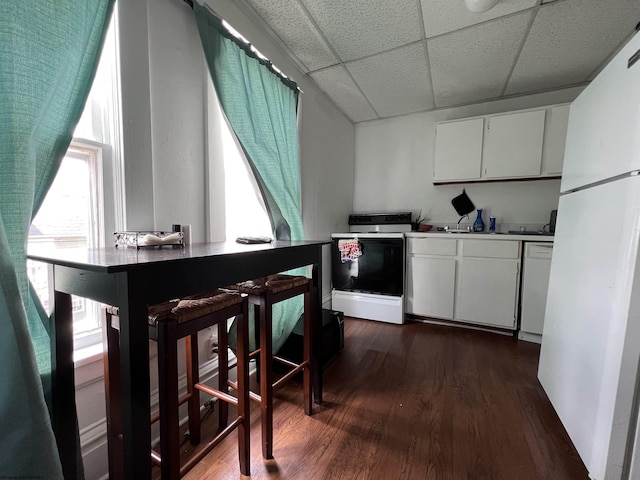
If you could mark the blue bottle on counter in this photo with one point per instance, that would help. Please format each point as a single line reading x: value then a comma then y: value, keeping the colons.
x: 478, y: 225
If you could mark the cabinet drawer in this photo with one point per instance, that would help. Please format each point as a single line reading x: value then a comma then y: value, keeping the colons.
x: 432, y: 246
x: 491, y: 248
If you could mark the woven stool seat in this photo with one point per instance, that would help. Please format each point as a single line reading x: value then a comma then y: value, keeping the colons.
x: 273, y: 283
x: 189, y: 308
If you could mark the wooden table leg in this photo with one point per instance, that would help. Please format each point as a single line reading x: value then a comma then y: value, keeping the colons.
x: 316, y: 368
x: 63, y: 395
x: 113, y: 395
x: 134, y: 369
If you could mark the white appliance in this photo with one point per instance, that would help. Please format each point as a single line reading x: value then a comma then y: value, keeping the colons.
x: 535, y: 284
x: 370, y: 286
x: 591, y: 339
x: 367, y: 267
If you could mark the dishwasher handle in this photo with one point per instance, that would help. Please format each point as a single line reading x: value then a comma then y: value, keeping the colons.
x: 539, y: 250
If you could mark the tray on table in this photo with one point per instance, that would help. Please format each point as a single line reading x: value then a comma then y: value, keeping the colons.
x: 148, y: 238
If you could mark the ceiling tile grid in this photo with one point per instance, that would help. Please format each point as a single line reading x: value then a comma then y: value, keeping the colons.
x: 395, y: 49
x: 358, y: 28
x: 443, y: 16
x: 569, y: 40
x: 339, y: 86
x: 289, y: 20
x: 473, y: 64
x: 395, y: 82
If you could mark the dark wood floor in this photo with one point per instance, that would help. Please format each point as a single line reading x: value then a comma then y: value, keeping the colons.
x: 414, y: 401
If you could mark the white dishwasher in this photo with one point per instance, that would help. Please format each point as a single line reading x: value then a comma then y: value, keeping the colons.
x: 535, y: 283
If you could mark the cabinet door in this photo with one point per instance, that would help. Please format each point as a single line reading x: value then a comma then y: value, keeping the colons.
x: 554, y: 140
x: 514, y: 145
x: 431, y: 286
x: 487, y: 291
x: 458, y: 150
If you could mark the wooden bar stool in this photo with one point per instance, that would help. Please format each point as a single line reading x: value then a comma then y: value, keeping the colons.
x: 169, y: 322
x: 264, y: 292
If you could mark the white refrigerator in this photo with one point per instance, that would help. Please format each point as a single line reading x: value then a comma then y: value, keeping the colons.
x: 591, y: 341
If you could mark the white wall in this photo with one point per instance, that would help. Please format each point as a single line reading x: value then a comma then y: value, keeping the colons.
x: 176, y: 78
x: 393, y: 169
x: 136, y: 114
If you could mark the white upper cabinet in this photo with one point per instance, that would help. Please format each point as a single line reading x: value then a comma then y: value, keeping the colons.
x: 514, y: 145
x: 555, y: 138
x: 458, y: 150
x: 517, y: 145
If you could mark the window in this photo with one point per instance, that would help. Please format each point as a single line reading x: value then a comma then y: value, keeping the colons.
x: 245, y: 213
x: 85, y: 202
x: 71, y: 216
x: 236, y: 206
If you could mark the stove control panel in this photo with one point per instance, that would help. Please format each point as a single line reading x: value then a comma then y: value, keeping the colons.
x: 380, y: 218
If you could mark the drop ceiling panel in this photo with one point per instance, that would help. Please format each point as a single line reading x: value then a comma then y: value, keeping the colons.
x: 569, y: 40
x: 288, y: 19
x: 473, y: 64
x: 442, y: 16
x: 357, y: 28
x: 339, y: 86
x: 395, y: 82
x: 471, y: 57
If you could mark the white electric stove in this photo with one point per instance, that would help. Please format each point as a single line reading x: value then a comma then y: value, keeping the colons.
x: 368, y: 267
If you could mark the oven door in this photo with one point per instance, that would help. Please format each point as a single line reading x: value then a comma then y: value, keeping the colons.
x: 370, y: 263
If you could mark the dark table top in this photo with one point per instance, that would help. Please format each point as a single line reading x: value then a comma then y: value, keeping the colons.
x: 111, y: 259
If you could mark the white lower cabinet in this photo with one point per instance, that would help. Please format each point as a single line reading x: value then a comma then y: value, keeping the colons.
x: 431, y: 277
x: 431, y: 286
x: 488, y: 292
x: 472, y: 281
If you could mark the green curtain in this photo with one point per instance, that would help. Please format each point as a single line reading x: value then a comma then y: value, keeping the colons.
x: 48, y: 56
x: 261, y: 108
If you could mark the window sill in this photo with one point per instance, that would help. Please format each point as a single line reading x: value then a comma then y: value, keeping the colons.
x: 93, y: 354
x: 87, y: 355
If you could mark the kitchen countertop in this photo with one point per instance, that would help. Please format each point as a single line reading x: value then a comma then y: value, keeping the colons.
x: 483, y: 236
